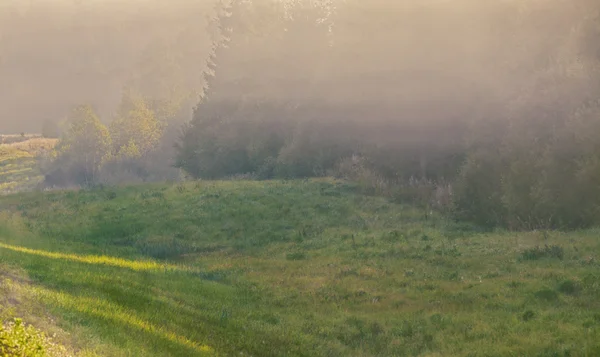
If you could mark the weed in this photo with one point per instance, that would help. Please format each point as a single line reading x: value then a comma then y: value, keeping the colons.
x: 528, y: 315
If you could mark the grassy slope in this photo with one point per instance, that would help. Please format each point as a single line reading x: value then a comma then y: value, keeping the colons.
x: 19, y: 169
x: 294, y: 269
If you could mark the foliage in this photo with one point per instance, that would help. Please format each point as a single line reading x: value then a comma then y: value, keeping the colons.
x: 275, y: 116
x: 136, y: 146
x: 18, y: 339
x: 135, y: 131
x: 81, y: 151
x: 534, y: 166
x: 519, y: 157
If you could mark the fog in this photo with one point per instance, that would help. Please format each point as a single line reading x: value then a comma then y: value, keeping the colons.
x: 58, y: 54
x: 255, y: 177
x: 446, y: 54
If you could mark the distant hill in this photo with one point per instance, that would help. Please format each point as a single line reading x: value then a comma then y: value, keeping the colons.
x: 19, y: 166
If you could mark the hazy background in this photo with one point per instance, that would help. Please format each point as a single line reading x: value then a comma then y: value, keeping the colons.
x: 492, y: 104
x: 55, y: 54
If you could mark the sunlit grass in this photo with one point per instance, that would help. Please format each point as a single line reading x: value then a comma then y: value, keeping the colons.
x: 102, y: 309
x: 32, y: 146
x: 100, y: 260
x: 19, y: 167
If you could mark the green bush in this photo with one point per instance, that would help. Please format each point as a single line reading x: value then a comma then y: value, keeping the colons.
x: 20, y: 340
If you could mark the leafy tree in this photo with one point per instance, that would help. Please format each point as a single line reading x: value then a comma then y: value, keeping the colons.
x: 135, y: 131
x: 81, y: 151
x: 538, y: 169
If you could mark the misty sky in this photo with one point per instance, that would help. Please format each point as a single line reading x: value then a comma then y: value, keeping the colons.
x: 58, y: 54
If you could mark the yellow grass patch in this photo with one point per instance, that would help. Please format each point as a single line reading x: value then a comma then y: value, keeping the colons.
x: 33, y: 146
x: 136, y: 265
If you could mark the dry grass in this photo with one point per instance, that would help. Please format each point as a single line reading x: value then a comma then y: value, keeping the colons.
x: 19, y: 164
x: 15, y: 138
x: 33, y: 146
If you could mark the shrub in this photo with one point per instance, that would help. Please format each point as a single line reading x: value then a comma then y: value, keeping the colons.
x: 18, y: 339
x: 81, y: 151
x: 356, y: 168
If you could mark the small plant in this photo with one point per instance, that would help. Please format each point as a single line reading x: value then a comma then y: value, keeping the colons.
x: 528, y: 315
x: 548, y: 251
x: 225, y: 315
x: 18, y: 339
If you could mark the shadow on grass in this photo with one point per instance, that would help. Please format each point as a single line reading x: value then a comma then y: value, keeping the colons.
x: 143, y: 307
x: 118, y: 318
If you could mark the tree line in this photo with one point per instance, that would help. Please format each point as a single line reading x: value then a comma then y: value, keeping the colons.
x: 136, y: 145
x: 489, y: 109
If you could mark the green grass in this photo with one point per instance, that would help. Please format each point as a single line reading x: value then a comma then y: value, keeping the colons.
x: 300, y: 268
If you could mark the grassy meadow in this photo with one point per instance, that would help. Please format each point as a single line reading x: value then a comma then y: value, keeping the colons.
x: 288, y: 268
x: 19, y: 166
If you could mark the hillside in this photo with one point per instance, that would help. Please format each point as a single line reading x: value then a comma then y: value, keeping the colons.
x: 19, y: 168
x: 297, y: 268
